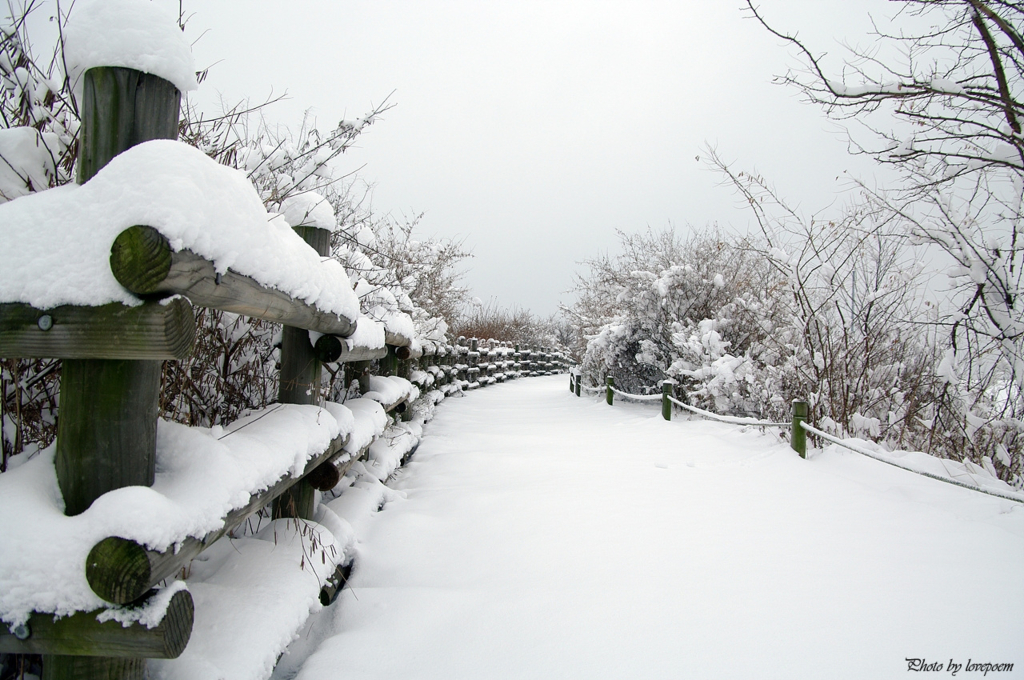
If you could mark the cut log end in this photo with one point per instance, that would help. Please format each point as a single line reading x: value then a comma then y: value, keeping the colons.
x: 325, y: 477
x: 178, y: 622
x: 118, y: 570
x: 328, y: 348
x: 140, y: 259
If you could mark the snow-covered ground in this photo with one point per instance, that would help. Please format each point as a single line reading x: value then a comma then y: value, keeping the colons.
x: 540, y: 535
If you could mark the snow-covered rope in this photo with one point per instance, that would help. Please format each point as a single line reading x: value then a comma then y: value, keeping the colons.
x: 732, y: 420
x: 870, y: 454
x: 592, y: 390
x: 637, y: 397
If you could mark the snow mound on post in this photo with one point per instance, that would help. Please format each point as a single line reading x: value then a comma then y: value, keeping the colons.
x: 201, y: 475
x: 309, y: 210
x: 370, y: 422
x: 57, y: 242
x: 400, y: 326
x: 128, y: 33
x: 390, y: 390
x: 369, y: 334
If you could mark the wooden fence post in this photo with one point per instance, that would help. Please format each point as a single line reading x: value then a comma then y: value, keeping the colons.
x: 609, y: 395
x: 106, y: 428
x: 299, y: 383
x: 666, y: 392
x: 798, y: 440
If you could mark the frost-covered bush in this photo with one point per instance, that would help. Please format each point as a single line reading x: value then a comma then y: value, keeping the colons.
x: 511, y: 325
x: 946, y: 121
x: 828, y: 312
x: 39, y: 123
x: 666, y: 306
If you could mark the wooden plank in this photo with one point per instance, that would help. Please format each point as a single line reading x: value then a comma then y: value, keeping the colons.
x: 299, y: 379
x: 81, y: 634
x: 142, y: 261
x: 154, y: 331
x: 120, y: 570
x: 329, y: 591
x: 798, y: 439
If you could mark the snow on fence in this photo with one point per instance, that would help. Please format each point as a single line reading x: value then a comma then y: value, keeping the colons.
x: 105, y: 275
x: 964, y: 474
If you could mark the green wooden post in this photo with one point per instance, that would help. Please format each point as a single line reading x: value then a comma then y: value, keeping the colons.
x: 122, y: 107
x: 608, y: 394
x: 579, y: 382
x: 798, y: 440
x: 666, y: 405
x: 106, y: 428
x: 389, y: 364
x: 299, y: 383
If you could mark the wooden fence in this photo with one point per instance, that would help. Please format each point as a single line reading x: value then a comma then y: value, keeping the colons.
x: 110, y: 389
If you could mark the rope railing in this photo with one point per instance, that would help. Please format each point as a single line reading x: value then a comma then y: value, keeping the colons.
x: 798, y: 438
x: 637, y: 397
x: 732, y: 420
x: 948, y: 480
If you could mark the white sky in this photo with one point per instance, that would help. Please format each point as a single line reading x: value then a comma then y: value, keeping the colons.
x: 534, y: 130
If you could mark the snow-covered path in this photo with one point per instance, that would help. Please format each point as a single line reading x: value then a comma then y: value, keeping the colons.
x: 542, y: 535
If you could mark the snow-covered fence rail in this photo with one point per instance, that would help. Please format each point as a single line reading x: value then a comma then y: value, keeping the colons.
x: 799, y: 429
x: 479, y: 365
x: 142, y: 260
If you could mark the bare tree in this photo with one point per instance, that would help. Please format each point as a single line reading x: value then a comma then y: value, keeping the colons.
x: 942, y: 103
x: 955, y: 88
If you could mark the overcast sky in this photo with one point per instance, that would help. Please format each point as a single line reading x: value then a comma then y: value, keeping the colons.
x: 534, y: 130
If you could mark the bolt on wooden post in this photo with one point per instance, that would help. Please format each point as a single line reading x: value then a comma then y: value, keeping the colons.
x: 798, y: 440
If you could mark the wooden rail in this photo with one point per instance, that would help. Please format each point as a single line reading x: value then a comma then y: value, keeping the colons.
x: 142, y: 261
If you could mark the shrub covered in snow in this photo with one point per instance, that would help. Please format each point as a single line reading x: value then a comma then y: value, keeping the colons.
x: 827, y: 312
